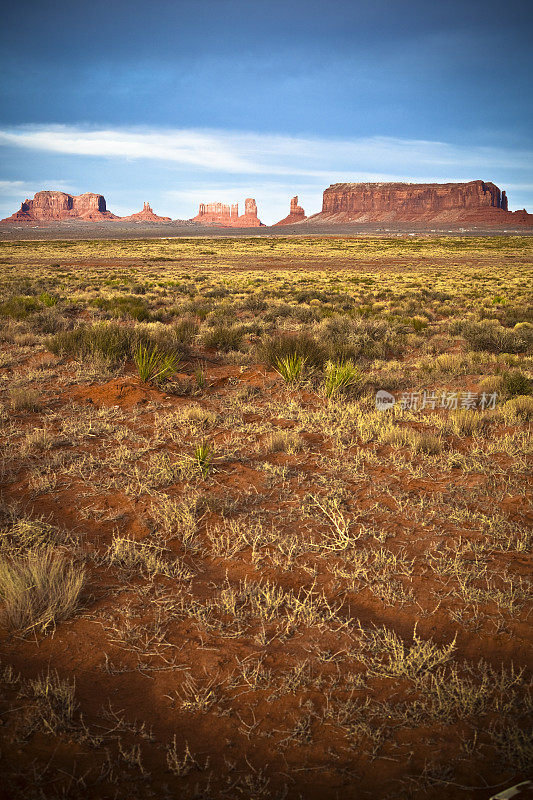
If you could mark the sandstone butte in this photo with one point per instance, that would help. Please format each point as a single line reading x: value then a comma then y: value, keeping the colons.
x: 146, y: 215
x: 296, y: 214
x: 472, y: 202
x: 218, y: 214
x: 57, y: 206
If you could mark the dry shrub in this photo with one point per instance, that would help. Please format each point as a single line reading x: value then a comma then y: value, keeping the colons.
x: 515, y: 383
x: 465, y: 422
x: 417, y: 442
x: 299, y: 345
x: 24, y: 398
x: 284, y: 441
x: 224, y: 339
x: 518, y: 409
x: 39, y: 588
x: 490, y: 384
x: 56, y: 703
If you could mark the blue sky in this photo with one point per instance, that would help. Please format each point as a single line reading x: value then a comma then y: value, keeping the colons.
x: 180, y: 102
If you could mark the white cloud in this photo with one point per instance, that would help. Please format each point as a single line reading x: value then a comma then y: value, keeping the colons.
x: 28, y: 188
x: 207, y: 165
x: 373, y: 158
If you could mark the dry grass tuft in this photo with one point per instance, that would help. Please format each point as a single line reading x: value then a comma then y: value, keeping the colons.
x: 39, y: 589
x: 24, y: 398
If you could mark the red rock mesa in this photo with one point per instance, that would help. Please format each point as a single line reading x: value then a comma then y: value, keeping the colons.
x: 51, y: 206
x: 471, y: 202
x: 296, y: 214
x: 228, y: 216
x: 146, y: 215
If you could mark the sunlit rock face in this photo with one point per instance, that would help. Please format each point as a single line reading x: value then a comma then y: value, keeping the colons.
x: 475, y: 201
x: 146, y: 215
x: 53, y: 206
x: 227, y: 216
x: 296, y: 213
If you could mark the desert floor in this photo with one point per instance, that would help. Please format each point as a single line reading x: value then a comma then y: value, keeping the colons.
x: 77, y: 229
x: 238, y: 578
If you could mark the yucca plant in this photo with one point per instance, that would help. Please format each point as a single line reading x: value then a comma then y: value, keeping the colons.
x: 200, y: 377
x: 203, y: 456
x: 340, y: 376
x: 291, y: 368
x: 153, y: 365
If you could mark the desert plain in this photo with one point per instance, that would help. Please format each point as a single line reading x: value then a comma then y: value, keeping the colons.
x: 224, y: 571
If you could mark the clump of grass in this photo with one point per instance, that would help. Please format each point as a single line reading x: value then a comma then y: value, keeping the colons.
x: 417, y: 442
x: 48, y: 300
x: 110, y: 341
x: 284, y: 441
x: 291, y: 368
x: 180, y: 763
x: 200, y: 377
x: 155, y: 366
x: 195, y: 698
x: 185, y: 331
x: 492, y: 383
x: 224, y: 339
x: 147, y: 556
x: 518, y: 409
x: 125, y: 306
x: 19, y: 307
x: 56, y: 702
x: 203, y: 457
x: 39, y: 589
x: 24, y: 398
x: 465, y: 422
x: 27, y: 533
x: 296, y: 345
x: 340, y: 377
x: 177, y: 518
x: 417, y: 323
x: 515, y: 383
x: 490, y: 335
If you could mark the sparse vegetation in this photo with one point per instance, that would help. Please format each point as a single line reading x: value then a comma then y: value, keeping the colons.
x: 265, y: 586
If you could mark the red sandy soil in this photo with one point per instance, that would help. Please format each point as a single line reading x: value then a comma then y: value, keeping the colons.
x: 140, y: 679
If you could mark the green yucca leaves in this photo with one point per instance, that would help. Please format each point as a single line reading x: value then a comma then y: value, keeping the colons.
x: 340, y: 376
x: 203, y: 456
x: 153, y: 365
x: 291, y: 368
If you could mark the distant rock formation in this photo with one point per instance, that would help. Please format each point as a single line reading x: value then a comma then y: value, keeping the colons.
x: 146, y: 215
x: 472, y: 202
x: 53, y: 206
x: 296, y: 214
x: 219, y: 214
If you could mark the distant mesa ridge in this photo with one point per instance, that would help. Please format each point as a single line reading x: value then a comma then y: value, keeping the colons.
x: 470, y: 203
x: 296, y: 214
x: 50, y: 206
x: 227, y: 216
x: 475, y: 201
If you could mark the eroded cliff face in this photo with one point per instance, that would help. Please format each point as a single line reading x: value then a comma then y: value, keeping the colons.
x: 296, y: 213
x: 146, y: 215
x: 52, y: 206
x: 219, y: 214
x: 475, y: 201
